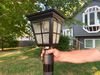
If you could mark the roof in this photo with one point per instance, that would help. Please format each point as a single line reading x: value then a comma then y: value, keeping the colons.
x: 97, y: 0
x: 79, y: 32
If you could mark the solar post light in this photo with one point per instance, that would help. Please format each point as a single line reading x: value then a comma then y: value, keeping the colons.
x: 46, y: 26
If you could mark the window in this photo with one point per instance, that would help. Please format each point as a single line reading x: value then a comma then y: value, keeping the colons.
x: 86, y: 20
x: 67, y: 32
x: 88, y: 43
x: 91, y: 16
x: 97, y: 42
x: 91, y: 43
x: 92, y: 20
x: 98, y: 17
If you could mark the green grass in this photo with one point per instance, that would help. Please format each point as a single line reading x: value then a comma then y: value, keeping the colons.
x: 26, y: 61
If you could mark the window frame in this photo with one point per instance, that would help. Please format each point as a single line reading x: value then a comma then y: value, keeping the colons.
x: 93, y: 43
x: 85, y: 43
x: 87, y: 12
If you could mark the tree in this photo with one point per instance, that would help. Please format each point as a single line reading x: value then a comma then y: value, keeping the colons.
x: 12, y: 18
x: 67, y: 7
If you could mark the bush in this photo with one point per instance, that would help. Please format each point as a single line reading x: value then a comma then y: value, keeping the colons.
x: 8, y: 41
x: 63, y: 43
x: 13, y: 43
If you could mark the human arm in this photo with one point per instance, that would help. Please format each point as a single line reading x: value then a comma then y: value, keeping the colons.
x: 75, y: 56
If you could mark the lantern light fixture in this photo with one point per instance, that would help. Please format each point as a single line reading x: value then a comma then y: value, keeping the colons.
x: 46, y: 26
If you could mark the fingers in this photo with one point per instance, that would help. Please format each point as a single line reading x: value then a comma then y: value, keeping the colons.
x: 46, y: 52
x: 42, y: 54
x: 55, y: 52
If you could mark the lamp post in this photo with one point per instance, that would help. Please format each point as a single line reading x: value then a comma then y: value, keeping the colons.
x: 46, y: 26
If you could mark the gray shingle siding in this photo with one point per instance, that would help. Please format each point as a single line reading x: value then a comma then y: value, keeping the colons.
x: 78, y: 32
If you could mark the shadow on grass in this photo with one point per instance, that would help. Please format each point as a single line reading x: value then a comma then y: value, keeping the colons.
x: 9, y: 49
x: 24, y: 52
x: 32, y: 52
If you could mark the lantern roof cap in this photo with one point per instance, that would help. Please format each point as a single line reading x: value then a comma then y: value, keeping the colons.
x: 44, y: 14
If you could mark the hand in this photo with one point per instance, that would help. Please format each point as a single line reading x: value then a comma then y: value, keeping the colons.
x: 55, y: 52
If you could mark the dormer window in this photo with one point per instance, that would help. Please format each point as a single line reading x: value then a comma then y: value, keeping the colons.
x: 91, y: 16
x: 91, y: 19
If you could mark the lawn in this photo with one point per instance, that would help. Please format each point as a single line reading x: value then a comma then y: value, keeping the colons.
x: 26, y: 61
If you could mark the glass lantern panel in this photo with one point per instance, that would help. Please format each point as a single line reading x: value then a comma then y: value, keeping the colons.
x: 59, y: 28
x: 45, y: 38
x: 36, y: 27
x: 54, y: 38
x: 55, y: 26
x: 58, y: 37
x: 39, y: 38
x: 45, y: 26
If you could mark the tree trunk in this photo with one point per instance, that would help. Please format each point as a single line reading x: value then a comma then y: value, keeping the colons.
x: 2, y: 44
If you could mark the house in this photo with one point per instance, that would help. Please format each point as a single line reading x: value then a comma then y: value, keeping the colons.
x: 87, y: 35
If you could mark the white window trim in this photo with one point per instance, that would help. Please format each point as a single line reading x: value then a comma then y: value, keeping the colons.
x: 83, y: 18
x: 88, y: 18
x: 67, y: 32
x: 91, y: 31
x: 88, y: 15
x: 85, y: 43
x: 91, y: 7
x: 87, y: 12
x: 93, y: 43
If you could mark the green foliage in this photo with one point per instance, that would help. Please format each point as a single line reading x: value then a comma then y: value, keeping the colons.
x: 8, y: 41
x: 12, y: 16
x: 12, y: 20
x: 67, y: 7
x: 13, y: 43
x: 63, y: 43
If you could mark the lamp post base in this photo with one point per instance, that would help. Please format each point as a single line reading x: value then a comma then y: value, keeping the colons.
x: 48, y: 64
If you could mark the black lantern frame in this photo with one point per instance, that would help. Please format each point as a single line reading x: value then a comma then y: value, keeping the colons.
x: 50, y: 16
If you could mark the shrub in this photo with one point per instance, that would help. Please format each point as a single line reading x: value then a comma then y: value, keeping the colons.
x: 8, y: 41
x: 63, y: 43
x: 13, y: 43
